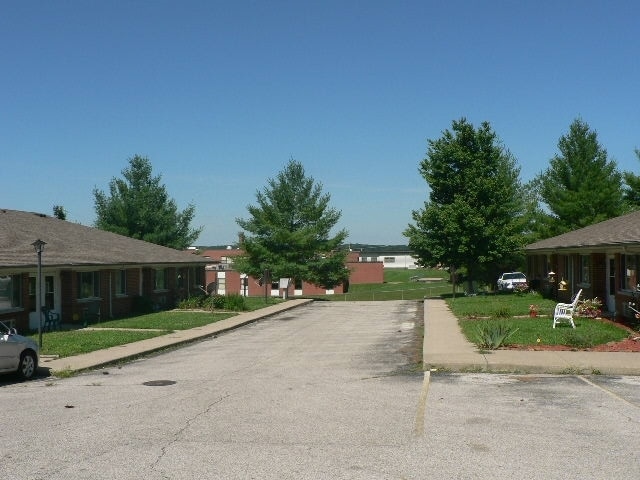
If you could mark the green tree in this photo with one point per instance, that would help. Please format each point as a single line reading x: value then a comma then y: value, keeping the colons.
x: 475, y: 217
x: 288, y: 232
x: 632, y: 187
x: 581, y: 186
x: 59, y: 212
x: 138, y: 206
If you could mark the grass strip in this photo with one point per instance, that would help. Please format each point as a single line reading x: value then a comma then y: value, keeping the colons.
x: 168, y: 320
x: 76, y: 342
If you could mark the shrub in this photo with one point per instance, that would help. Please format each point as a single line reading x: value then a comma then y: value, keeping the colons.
x: 492, y: 336
x: 217, y: 301
x: 521, y: 288
x: 590, y: 308
x: 190, y: 303
x: 235, y: 302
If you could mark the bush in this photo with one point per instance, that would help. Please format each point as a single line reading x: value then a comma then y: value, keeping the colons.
x: 521, y: 288
x: 590, y: 308
x: 217, y: 301
x: 235, y: 302
x: 492, y: 336
x: 190, y: 303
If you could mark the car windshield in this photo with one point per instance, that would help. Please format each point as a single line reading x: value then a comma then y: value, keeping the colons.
x: 514, y: 276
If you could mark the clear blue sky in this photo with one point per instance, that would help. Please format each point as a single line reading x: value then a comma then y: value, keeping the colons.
x: 220, y: 95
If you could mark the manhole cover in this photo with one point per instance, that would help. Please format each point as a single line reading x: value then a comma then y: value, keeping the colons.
x: 159, y: 383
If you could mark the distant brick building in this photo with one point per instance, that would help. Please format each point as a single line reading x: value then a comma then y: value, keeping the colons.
x: 222, y: 279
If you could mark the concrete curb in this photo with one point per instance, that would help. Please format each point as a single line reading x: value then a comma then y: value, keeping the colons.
x: 120, y: 353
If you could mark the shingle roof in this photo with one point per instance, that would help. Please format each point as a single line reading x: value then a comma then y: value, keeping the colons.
x: 70, y: 243
x: 618, y: 231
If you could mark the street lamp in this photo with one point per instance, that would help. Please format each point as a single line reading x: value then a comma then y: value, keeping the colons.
x: 39, y: 247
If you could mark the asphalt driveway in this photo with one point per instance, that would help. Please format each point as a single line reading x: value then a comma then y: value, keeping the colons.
x: 326, y: 391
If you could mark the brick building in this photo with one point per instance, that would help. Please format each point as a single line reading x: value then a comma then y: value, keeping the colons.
x: 222, y: 279
x: 85, y: 272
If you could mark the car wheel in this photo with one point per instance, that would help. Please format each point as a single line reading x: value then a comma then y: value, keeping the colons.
x: 27, y: 366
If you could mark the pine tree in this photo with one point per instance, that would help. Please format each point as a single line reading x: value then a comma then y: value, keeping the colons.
x: 139, y: 207
x: 581, y: 186
x: 288, y: 232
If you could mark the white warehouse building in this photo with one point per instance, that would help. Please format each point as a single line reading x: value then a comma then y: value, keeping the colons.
x: 400, y: 257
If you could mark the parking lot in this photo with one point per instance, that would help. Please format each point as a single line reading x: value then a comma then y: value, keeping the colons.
x: 329, y: 390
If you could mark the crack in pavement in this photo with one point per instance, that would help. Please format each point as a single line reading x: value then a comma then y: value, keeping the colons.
x: 187, y: 424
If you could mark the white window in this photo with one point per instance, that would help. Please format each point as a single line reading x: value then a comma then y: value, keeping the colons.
x: 160, y: 279
x: 88, y: 284
x: 10, y: 292
x: 121, y: 282
x: 585, y: 267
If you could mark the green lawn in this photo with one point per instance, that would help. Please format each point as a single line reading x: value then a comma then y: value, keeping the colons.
x: 75, y: 342
x: 169, y: 320
x: 398, y: 285
x: 482, y: 315
x: 499, y: 305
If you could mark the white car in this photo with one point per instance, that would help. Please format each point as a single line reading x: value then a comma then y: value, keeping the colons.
x: 507, y: 282
x: 18, y: 354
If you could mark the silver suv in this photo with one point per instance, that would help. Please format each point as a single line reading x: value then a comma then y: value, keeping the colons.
x: 507, y: 282
x: 18, y: 354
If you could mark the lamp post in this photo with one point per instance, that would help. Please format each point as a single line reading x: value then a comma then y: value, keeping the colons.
x: 39, y: 247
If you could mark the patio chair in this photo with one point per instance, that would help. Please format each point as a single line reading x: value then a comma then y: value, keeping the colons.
x: 564, y: 311
x: 51, y: 320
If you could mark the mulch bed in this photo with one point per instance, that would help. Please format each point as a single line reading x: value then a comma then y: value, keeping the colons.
x: 628, y: 345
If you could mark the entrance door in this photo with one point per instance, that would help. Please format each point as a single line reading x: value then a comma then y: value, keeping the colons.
x: 49, y: 299
x: 611, y: 284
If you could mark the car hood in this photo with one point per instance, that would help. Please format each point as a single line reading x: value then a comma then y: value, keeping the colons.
x: 22, y: 340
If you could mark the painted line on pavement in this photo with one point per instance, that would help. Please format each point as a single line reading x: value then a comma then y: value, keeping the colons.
x: 418, y: 425
x: 607, y: 391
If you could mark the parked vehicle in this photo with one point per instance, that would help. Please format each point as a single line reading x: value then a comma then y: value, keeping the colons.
x: 508, y: 282
x: 18, y: 354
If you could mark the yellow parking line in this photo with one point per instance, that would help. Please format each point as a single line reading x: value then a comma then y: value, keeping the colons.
x: 418, y: 426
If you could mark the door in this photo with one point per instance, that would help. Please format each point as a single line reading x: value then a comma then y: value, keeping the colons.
x: 50, y: 297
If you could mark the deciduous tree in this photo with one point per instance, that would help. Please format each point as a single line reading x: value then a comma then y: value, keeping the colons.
x: 632, y: 187
x: 475, y: 216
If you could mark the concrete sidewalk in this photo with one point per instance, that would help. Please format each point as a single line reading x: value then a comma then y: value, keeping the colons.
x: 445, y: 347
x: 132, y: 350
